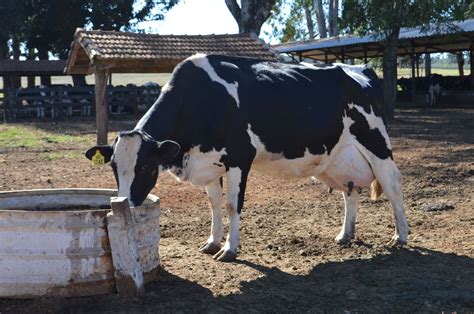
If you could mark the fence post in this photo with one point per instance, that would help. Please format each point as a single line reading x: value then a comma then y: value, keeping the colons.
x: 136, y: 112
x: 11, y: 102
x: 60, y: 101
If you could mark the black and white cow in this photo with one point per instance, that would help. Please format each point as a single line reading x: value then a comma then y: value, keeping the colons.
x: 221, y: 116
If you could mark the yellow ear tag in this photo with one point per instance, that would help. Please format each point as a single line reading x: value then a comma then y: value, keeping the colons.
x: 98, y: 158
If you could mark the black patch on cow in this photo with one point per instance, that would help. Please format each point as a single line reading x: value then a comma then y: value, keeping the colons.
x: 350, y: 187
x: 371, y: 139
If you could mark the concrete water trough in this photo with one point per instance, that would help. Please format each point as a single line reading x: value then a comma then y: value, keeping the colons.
x: 69, y: 242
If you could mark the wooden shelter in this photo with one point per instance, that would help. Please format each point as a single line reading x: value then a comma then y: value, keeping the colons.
x: 106, y: 52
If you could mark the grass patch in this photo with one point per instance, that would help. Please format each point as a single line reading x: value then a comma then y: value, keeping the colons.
x: 53, y: 156
x: 14, y: 136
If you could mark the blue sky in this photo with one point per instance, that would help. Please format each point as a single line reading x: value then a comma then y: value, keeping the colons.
x: 193, y: 17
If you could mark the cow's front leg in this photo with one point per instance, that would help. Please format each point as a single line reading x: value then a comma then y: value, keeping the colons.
x: 236, y: 182
x: 214, y: 193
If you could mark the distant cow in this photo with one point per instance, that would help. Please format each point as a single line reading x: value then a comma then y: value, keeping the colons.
x: 220, y: 116
x: 433, y: 84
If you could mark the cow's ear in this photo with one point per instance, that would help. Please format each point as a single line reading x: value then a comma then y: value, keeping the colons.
x: 167, y: 150
x: 105, y: 150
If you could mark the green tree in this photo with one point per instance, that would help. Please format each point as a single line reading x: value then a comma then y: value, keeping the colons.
x: 304, y: 19
x: 385, y: 18
x: 11, y: 34
x: 122, y: 14
x: 48, y: 26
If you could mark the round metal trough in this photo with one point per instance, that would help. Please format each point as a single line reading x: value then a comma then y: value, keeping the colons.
x: 55, y: 242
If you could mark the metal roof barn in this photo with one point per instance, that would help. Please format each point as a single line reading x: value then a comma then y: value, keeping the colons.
x: 459, y: 37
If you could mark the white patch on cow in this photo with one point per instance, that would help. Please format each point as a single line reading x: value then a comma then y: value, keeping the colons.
x: 345, y: 163
x: 374, y: 122
x: 230, y: 65
x: 200, y: 168
x: 234, y: 177
x: 261, y: 69
x: 200, y: 60
x: 389, y: 177
x: 214, y: 193
x: 125, y: 158
x: 355, y: 72
x: 433, y: 93
x: 351, y: 203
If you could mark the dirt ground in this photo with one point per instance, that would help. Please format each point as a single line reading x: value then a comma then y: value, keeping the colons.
x: 288, y: 260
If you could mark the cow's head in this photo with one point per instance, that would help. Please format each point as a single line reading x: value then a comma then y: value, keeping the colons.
x: 135, y: 159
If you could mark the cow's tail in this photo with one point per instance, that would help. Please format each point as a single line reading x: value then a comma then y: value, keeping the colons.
x: 375, y: 190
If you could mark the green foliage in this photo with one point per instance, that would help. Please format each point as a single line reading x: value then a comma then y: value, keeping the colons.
x: 288, y: 20
x: 385, y: 17
x: 49, y: 25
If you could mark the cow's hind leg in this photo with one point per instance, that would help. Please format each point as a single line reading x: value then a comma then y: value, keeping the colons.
x: 236, y: 182
x: 389, y: 177
x: 214, y: 193
x: 351, y: 201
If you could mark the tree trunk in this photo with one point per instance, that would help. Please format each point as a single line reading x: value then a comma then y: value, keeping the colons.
x: 43, y: 55
x: 460, y: 59
x: 79, y: 80
x: 309, y: 19
x: 332, y: 17
x: 251, y: 15
x: 318, y: 5
x: 4, y: 56
x: 16, y: 80
x: 31, y: 56
x: 390, y: 74
x: 427, y: 64
x: 471, y: 60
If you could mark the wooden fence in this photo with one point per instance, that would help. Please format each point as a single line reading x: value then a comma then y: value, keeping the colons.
x: 64, y: 101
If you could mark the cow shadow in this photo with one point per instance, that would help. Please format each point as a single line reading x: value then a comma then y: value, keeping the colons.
x: 403, y: 280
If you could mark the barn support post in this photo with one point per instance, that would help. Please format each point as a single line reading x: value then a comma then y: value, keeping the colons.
x: 417, y: 57
x: 413, y: 81
x: 101, y: 108
x: 471, y: 55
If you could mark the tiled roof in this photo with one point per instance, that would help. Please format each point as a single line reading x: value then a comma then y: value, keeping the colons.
x: 120, y: 46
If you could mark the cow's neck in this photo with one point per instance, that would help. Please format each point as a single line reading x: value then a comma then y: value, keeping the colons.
x: 161, y: 120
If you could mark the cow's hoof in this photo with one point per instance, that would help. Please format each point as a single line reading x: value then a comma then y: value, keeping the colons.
x: 209, y: 248
x: 343, y: 239
x: 397, y: 241
x: 225, y: 256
